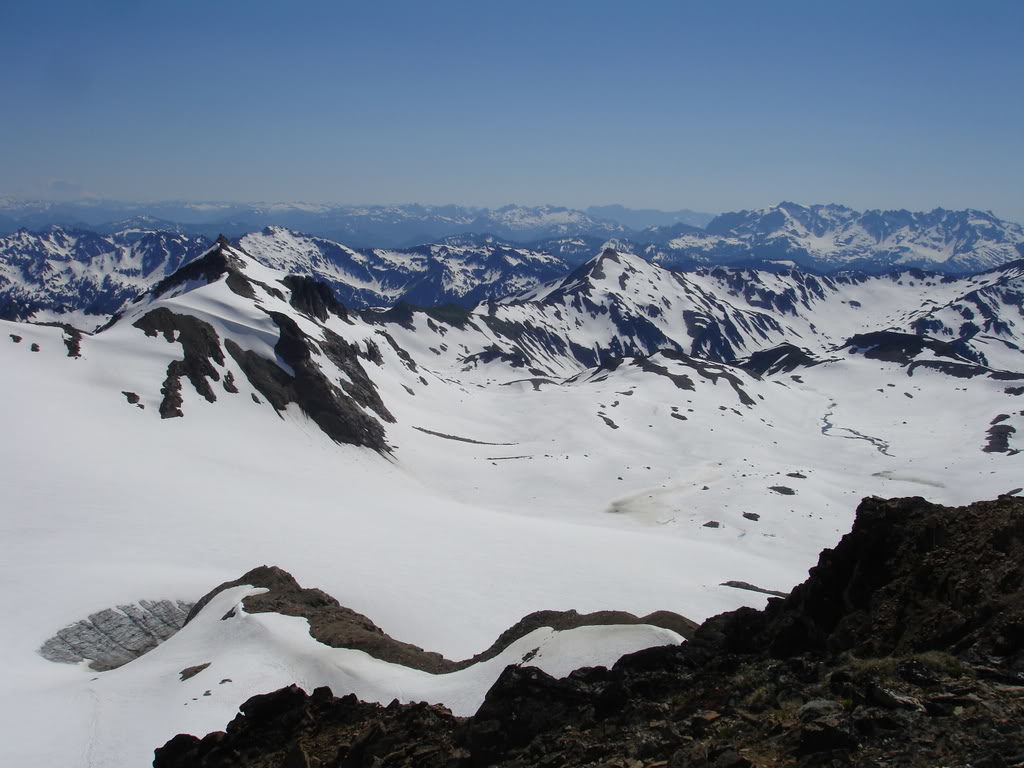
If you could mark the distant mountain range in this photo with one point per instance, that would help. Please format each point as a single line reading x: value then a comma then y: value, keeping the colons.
x: 822, y: 238
x: 64, y: 274
x: 832, y: 237
x: 58, y: 270
x: 646, y: 218
x: 385, y: 226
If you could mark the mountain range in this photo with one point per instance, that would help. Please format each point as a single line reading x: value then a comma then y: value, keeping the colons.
x: 627, y: 449
x: 57, y: 272
x: 833, y: 237
x: 816, y: 237
x: 362, y: 226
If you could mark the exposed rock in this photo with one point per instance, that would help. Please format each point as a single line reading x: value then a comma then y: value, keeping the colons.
x: 903, y: 348
x: 999, y: 438
x: 72, y: 338
x: 753, y: 588
x: 340, y: 627
x: 783, y: 358
x: 289, y: 727
x: 457, y: 438
x: 563, y: 620
x: 904, y: 580
x: 200, y: 344
x: 782, y: 489
x: 313, y: 297
x: 189, y: 672
x: 336, y: 410
x: 706, y: 369
x: 329, y: 622
x: 112, y: 637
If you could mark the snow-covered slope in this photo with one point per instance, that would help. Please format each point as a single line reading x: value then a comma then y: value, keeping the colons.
x: 618, y: 304
x: 445, y: 473
x: 72, y: 274
x: 831, y: 237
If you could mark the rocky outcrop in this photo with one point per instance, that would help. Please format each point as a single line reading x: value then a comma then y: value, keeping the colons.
x: 904, y: 647
x: 200, y: 344
x: 784, y: 358
x: 114, y: 636
x: 339, y: 627
x: 283, y: 729
x: 910, y: 577
x: 338, y: 411
x: 329, y: 622
x: 313, y: 297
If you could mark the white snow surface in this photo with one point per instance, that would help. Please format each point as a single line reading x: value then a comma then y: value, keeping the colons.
x: 588, y: 489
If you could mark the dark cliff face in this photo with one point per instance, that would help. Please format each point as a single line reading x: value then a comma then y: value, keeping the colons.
x: 910, y: 577
x: 905, y: 646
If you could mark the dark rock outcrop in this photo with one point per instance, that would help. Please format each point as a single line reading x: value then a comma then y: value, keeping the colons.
x: 313, y: 297
x: 903, y: 348
x: 339, y: 627
x: 783, y: 358
x: 200, y: 344
x: 336, y: 410
x: 329, y: 621
x: 291, y: 729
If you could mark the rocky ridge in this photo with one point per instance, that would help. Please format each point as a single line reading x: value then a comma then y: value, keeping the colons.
x: 340, y: 627
x: 904, y: 647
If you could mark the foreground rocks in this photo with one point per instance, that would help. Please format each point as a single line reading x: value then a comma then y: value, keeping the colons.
x: 905, y: 647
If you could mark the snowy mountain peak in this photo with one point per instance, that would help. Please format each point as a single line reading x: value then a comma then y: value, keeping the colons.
x: 220, y: 260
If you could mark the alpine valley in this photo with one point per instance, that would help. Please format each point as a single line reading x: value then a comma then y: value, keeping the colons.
x: 235, y: 465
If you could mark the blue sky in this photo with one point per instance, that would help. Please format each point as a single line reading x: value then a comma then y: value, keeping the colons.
x: 711, y: 106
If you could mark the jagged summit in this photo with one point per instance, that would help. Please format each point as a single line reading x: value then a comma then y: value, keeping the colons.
x: 220, y: 260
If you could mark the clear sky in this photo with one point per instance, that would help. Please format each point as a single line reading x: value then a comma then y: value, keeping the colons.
x: 705, y: 105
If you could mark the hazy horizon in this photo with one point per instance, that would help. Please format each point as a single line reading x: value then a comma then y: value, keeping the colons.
x: 470, y: 206
x: 659, y: 105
